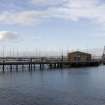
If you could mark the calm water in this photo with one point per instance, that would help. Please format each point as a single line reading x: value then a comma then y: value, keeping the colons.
x: 82, y: 86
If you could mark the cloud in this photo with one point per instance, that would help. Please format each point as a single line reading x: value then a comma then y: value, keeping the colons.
x: 48, y: 2
x: 20, y: 18
x: 7, y: 35
x: 76, y: 10
x: 72, y: 10
x: 39, y: 1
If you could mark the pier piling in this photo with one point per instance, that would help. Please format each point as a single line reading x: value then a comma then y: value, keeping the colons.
x: 3, y: 67
x: 11, y: 68
x: 16, y: 68
x: 23, y: 67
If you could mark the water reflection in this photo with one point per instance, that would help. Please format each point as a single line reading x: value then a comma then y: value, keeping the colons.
x: 82, y: 86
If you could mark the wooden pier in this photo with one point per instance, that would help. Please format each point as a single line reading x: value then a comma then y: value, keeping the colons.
x: 31, y: 62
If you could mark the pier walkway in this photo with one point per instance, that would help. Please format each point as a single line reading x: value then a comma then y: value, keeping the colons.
x: 42, y: 61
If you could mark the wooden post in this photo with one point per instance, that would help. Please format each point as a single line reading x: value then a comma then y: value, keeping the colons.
x: 40, y: 66
x: 61, y: 65
x: 22, y: 67
x: 29, y: 67
x: 54, y: 65
x: 31, y: 64
x: 50, y: 66
x: 16, y: 68
x: 34, y: 67
x: 11, y: 68
x: 3, y: 67
x: 57, y: 65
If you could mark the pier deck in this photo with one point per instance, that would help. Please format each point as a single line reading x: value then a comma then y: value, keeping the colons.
x: 42, y: 61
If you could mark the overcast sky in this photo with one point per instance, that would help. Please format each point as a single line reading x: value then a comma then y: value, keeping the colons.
x: 52, y: 24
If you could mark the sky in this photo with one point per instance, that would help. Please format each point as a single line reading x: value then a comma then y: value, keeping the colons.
x: 52, y: 25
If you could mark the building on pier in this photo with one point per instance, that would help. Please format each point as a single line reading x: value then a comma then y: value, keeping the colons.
x: 78, y: 56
